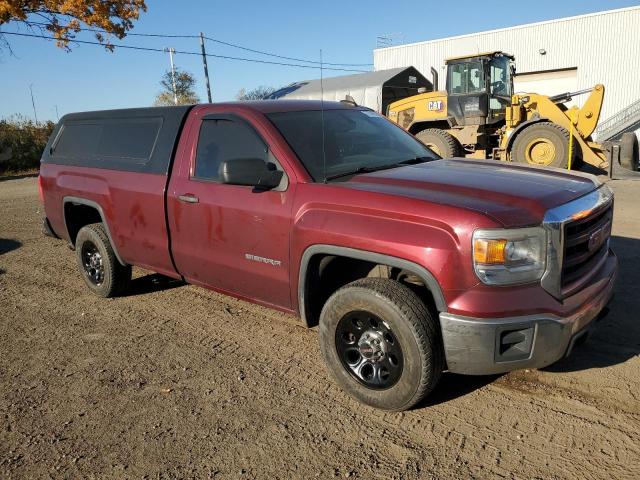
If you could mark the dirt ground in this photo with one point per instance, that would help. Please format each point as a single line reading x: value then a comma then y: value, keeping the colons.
x: 177, y: 381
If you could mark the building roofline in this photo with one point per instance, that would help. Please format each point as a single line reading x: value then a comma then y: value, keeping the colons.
x: 514, y: 27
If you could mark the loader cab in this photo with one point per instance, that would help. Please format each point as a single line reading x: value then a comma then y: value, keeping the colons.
x: 479, y: 88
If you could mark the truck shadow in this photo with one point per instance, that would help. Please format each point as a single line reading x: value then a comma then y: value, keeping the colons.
x: 153, y: 282
x: 7, y: 245
x: 454, y: 386
x: 18, y: 176
x: 616, y: 337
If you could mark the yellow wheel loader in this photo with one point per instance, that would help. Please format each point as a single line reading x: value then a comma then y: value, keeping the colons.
x: 480, y: 116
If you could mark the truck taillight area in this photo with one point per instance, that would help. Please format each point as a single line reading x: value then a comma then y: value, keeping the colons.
x: 40, y: 191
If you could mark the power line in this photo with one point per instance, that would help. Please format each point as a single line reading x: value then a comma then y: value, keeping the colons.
x: 97, y: 30
x: 221, y: 42
x: 182, y: 52
x: 286, y: 58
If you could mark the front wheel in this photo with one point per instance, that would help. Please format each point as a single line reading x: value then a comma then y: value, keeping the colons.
x: 629, y: 151
x: 543, y: 144
x: 380, y: 343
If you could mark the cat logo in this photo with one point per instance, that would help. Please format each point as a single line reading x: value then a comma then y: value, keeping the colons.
x: 435, y: 106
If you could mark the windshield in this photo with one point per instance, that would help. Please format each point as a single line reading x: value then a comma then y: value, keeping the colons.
x: 355, y: 141
x: 500, y: 86
x: 500, y: 72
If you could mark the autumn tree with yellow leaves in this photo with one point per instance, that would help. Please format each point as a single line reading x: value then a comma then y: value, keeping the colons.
x: 63, y: 19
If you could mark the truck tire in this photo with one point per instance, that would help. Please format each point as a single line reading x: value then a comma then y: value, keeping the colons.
x: 441, y: 142
x: 629, y: 151
x: 102, y: 272
x: 543, y: 144
x: 381, y: 344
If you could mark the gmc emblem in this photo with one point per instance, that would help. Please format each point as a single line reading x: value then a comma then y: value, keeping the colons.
x: 597, y: 238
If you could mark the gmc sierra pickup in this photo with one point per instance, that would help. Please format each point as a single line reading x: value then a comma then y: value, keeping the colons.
x: 411, y: 265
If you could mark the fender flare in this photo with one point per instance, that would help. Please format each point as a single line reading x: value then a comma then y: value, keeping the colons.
x: 427, y: 277
x: 95, y: 205
x: 521, y: 127
x: 424, y: 124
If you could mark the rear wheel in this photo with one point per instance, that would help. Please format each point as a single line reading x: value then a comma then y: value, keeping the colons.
x: 380, y: 343
x: 543, y: 144
x: 441, y: 142
x: 102, y: 272
x: 629, y: 151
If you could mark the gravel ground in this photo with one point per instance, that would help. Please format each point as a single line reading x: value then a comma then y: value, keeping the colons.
x: 177, y: 381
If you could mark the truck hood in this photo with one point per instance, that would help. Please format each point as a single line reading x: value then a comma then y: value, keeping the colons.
x: 514, y: 195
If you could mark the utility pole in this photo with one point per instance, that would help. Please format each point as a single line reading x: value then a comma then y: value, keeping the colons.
x: 33, y: 102
x: 206, y: 70
x: 173, y: 73
x: 57, y: 116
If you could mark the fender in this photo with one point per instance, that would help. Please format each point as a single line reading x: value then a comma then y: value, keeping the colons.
x: 426, y: 276
x: 442, y: 124
x: 91, y: 203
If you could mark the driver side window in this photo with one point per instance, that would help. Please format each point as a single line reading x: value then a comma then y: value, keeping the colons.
x: 224, y: 139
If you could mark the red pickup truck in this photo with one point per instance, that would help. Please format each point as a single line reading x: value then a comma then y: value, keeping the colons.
x: 411, y: 265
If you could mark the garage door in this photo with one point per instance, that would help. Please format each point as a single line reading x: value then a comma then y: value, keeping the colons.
x: 550, y: 82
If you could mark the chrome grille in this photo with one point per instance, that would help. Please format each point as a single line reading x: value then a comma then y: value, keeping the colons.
x: 586, y: 243
x: 570, y: 227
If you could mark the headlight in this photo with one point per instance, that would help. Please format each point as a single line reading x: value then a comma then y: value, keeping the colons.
x: 506, y: 257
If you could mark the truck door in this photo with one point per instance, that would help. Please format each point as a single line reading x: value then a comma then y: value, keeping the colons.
x: 229, y: 237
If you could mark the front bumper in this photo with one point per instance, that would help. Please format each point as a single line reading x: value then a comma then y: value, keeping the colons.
x: 484, y: 346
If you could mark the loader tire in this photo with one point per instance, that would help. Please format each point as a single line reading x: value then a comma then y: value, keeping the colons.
x: 543, y: 144
x: 629, y: 151
x: 441, y: 142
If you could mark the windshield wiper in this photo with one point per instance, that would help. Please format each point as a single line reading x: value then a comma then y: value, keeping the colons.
x: 387, y: 166
x: 356, y: 172
x: 415, y: 160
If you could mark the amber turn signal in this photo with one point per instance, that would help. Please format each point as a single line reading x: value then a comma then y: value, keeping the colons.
x: 486, y: 251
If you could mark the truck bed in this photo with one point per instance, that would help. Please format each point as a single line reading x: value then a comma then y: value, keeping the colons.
x: 120, y: 161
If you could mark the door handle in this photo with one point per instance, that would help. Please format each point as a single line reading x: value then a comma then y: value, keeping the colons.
x: 188, y: 198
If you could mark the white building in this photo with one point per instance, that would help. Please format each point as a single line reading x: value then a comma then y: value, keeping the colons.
x: 552, y: 57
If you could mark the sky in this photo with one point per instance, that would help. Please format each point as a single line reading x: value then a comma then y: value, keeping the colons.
x: 91, y: 78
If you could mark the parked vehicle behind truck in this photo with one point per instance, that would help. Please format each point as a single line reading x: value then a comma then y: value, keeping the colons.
x: 479, y: 115
x: 411, y: 265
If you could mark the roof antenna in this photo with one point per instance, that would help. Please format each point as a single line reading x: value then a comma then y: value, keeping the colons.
x: 324, y: 153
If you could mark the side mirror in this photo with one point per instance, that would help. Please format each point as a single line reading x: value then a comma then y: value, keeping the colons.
x: 348, y: 99
x: 251, y: 172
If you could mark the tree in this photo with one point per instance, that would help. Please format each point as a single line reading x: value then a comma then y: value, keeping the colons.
x: 258, y: 93
x: 21, y: 143
x: 185, y: 84
x: 64, y: 18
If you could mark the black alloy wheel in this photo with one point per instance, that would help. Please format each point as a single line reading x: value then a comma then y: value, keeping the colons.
x: 92, y: 262
x: 369, y: 350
